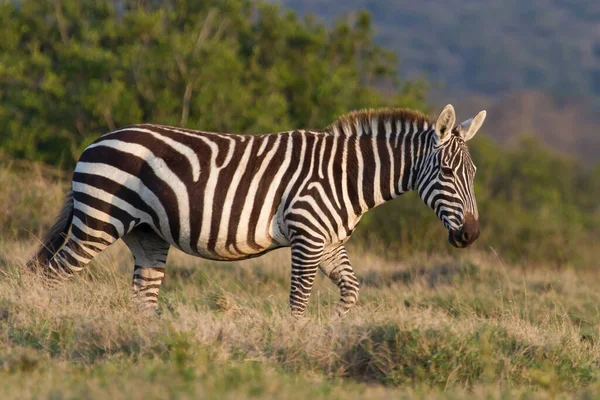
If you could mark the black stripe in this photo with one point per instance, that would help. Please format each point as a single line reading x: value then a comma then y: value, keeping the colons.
x: 139, y: 168
x: 96, y: 224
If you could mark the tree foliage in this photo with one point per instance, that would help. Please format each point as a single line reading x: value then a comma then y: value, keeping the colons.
x: 71, y: 70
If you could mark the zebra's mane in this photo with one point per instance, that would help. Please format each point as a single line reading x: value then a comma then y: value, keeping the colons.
x: 365, y: 119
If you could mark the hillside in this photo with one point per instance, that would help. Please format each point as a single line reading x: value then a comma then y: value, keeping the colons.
x: 566, y: 125
x: 534, y: 65
x: 487, y: 47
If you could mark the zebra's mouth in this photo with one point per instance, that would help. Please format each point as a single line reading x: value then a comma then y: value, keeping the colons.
x: 461, y: 238
x: 452, y: 238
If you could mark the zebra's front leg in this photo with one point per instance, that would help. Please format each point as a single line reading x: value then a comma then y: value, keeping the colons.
x: 336, y: 265
x: 150, y: 256
x: 306, y: 257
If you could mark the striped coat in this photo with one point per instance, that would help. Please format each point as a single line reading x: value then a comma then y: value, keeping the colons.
x: 230, y: 197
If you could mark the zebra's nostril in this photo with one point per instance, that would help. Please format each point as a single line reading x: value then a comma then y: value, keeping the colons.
x: 465, y: 236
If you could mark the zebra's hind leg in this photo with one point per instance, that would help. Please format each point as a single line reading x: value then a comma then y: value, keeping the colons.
x: 73, y: 257
x: 83, y: 243
x: 149, y: 252
x: 73, y: 241
x: 336, y: 265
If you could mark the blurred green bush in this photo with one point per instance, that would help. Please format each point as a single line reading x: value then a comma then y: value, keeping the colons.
x: 71, y: 71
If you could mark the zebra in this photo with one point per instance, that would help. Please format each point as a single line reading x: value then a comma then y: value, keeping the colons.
x: 223, y: 196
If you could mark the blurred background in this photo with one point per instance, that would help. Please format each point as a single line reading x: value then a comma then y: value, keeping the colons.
x: 73, y: 70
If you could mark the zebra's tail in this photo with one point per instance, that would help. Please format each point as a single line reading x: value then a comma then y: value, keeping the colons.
x: 55, y: 238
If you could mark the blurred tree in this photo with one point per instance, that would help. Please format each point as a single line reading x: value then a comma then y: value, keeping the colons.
x: 70, y: 70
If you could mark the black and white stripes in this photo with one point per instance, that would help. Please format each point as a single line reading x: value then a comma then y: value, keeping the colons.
x: 230, y: 197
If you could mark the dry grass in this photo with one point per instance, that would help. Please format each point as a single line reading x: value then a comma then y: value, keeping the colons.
x: 462, y: 327
x: 30, y: 198
x: 427, y: 327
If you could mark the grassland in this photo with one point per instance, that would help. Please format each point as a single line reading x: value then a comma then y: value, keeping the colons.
x: 467, y: 326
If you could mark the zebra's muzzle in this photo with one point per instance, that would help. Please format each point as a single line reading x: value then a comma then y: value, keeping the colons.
x: 465, y: 236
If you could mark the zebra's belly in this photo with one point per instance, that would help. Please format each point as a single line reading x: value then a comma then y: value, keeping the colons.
x: 240, y: 247
x: 231, y: 252
x: 225, y: 254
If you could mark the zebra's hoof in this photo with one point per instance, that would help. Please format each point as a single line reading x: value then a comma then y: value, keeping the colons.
x: 299, y: 315
x: 343, y: 309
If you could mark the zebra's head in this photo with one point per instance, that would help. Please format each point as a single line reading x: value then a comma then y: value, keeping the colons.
x: 446, y: 182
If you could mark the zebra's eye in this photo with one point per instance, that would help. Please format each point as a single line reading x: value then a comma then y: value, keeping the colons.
x: 447, y: 171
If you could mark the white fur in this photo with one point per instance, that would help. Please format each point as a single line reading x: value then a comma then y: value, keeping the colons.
x: 469, y: 128
x: 445, y: 123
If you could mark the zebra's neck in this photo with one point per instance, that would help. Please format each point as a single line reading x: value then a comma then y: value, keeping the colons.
x: 384, y: 154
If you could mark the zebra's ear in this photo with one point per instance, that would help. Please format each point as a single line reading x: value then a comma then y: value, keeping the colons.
x: 445, y: 123
x: 469, y: 128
